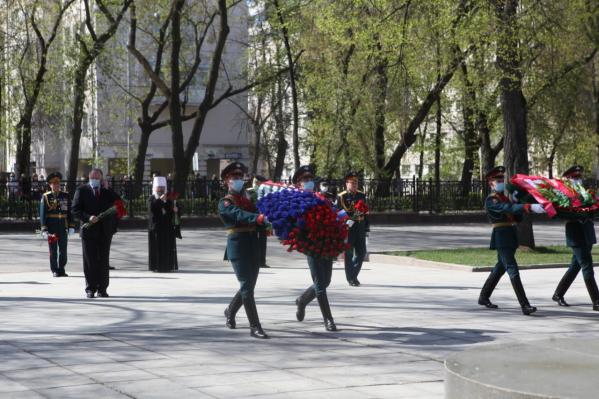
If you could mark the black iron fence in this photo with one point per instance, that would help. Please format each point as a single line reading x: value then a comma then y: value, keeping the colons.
x: 202, y: 196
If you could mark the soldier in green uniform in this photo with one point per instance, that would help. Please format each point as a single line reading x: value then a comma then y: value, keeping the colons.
x: 262, y: 232
x: 504, y: 215
x: 240, y: 216
x: 580, y: 236
x: 321, y: 269
x: 358, y: 231
x: 56, y: 218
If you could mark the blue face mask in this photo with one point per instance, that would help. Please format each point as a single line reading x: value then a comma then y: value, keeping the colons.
x: 500, y: 187
x: 95, y: 183
x: 237, y: 185
x: 308, y: 185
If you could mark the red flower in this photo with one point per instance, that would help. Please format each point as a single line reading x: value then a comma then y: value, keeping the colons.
x: 121, y: 211
x: 361, y: 207
x: 52, y: 238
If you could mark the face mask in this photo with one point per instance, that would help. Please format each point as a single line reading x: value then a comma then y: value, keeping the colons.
x: 308, y: 185
x: 95, y: 183
x: 500, y: 187
x: 236, y: 185
x: 323, y: 189
x: 577, y: 182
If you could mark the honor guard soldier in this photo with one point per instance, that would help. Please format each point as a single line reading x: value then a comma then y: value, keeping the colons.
x: 580, y: 237
x: 262, y: 233
x: 321, y: 269
x: 240, y: 216
x: 504, y: 215
x: 56, y: 219
x: 354, y: 256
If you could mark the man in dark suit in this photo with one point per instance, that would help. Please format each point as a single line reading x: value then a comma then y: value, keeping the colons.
x: 90, y: 200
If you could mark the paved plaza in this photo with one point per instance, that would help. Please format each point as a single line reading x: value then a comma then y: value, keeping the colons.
x: 163, y: 335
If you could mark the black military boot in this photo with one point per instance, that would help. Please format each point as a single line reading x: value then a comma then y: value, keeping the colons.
x: 256, y: 330
x: 521, y: 295
x: 231, y: 311
x: 562, y: 287
x: 593, y: 291
x: 487, y: 290
x: 302, y: 301
x: 323, y: 302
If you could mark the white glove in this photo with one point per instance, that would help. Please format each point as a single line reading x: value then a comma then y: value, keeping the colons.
x: 349, y: 223
x: 45, y: 235
x: 515, y: 196
x: 537, y: 208
x: 71, y: 231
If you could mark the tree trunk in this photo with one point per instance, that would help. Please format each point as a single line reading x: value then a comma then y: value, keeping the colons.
x: 140, y: 158
x: 380, y: 101
x: 78, y: 100
x: 470, y: 136
x: 280, y: 129
x: 292, y: 83
x: 513, y: 103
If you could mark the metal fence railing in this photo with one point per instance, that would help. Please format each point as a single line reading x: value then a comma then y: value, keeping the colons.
x: 201, y: 196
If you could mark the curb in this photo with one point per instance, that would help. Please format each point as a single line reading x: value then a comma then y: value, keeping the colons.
x: 411, y: 261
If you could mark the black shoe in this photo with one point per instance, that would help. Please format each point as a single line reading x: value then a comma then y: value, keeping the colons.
x: 264, y: 266
x: 103, y: 294
x: 55, y: 274
x: 257, y: 332
x: 325, y: 308
x: 302, y: 301
x: 356, y: 282
x: 63, y: 274
x: 560, y: 300
x: 111, y: 268
x: 487, y: 290
x: 89, y: 294
x: 486, y: 303
x: 593, y: 292
x: 521, y: 295
x: 231, y: 311
x: 252, y: 313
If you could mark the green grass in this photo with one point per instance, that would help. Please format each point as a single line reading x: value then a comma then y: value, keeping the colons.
x: 487, y: 257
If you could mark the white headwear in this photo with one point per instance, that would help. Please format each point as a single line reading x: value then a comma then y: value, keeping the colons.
x: 159, y: 181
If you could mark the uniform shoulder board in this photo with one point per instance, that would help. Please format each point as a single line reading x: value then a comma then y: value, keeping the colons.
x: 342, y: 193
x: 47, y: 192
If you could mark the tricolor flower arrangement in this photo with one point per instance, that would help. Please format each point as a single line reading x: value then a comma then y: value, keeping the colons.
x: 560, y: 198
x: 302, y: 221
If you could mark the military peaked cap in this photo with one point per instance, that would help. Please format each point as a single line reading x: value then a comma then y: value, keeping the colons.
x: 574, y: 171
x: 303, y: 170
x: 233, y: 168
x: 496, y: 173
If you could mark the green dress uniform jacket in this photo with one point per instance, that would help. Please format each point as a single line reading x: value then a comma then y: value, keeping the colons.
x: 504, y: 215
x: 580, y: 233
x: 55, y: 212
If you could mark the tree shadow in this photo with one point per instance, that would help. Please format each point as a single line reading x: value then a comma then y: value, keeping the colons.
x: 24, y: 282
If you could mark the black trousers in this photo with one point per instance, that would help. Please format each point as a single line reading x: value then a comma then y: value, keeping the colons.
x: 95, y: 262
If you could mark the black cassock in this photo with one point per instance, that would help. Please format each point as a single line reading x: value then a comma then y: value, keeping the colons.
x: 162, y: 247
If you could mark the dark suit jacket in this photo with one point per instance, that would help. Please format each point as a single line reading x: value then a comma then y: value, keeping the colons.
x: 85, y: 204
x: 580, y: 233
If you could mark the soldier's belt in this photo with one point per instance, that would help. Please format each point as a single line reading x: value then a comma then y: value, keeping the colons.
x: 358, y: 218
x: 244, y: 229
x: 504, y: 224
x: 61, y: 216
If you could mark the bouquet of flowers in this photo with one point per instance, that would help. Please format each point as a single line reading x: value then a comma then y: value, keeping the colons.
x: 52, y: 238
x: 303, y: 222
x: 560, y: 198
x: 117, y: 209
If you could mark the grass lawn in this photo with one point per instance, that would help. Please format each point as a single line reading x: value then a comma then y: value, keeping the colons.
x: 487, y: 257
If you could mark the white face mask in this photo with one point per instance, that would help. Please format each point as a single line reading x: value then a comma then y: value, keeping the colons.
x: 95, y: 183
x: 308, y: 185
x: 577, y: 182
x: 323, y: 188
x: 237, y: 185
x: 499, y: 187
